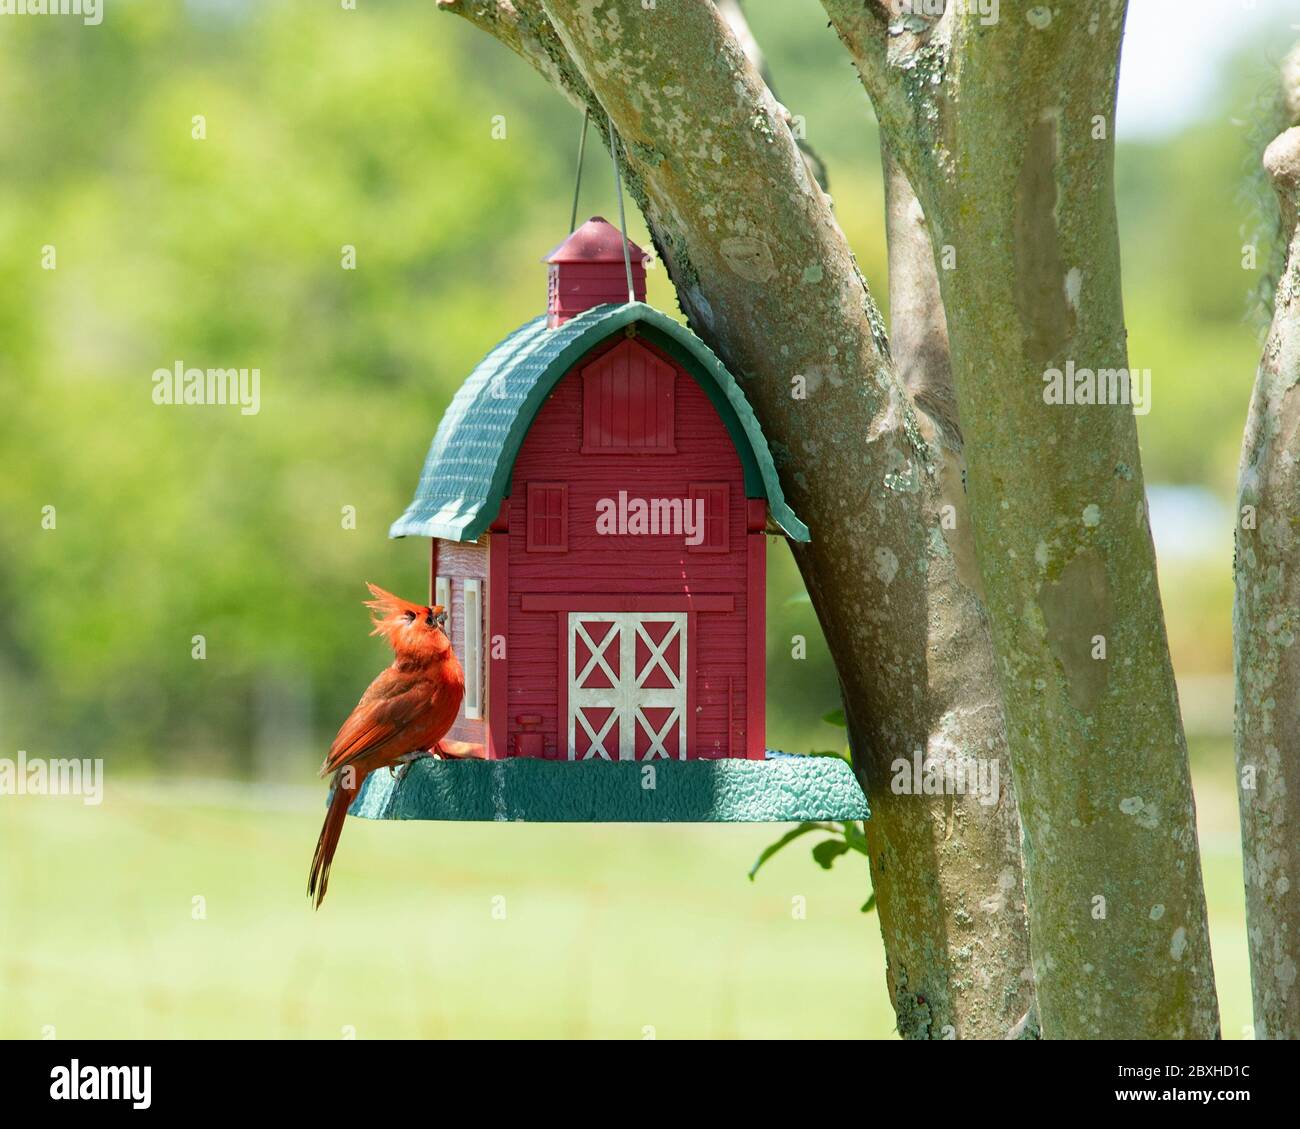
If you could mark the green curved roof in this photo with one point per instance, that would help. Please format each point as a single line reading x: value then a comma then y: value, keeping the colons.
x: 467, y: 472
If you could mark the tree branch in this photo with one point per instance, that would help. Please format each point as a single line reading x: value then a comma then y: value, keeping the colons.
x: 1266, y: 620
x: 918, y: 324
x: 1291, y: 85
x: 524, y: 27
x: 1059, y: 506
x: 902, y: 59
x: 734, y: 13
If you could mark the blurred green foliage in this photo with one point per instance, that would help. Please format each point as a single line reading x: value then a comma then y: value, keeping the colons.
x: 374, y: 129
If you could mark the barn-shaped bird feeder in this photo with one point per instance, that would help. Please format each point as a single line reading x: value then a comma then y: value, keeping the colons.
x: 598, y: 495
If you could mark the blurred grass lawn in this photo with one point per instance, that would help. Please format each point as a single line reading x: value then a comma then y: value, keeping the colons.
x: 608, y: 929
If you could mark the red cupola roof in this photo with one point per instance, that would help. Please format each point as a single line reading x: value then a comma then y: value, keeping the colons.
x: 588, y: 270
x: 596, y: 241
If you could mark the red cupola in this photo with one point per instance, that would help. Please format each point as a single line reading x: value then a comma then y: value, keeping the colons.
x: 588, y: 269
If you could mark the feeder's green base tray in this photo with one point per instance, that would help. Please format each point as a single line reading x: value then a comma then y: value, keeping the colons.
x: 780, y: 789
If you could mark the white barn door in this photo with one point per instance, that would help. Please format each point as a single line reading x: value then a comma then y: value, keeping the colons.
x: 627, y: 685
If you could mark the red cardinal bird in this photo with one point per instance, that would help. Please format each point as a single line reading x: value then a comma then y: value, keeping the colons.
x: 405, y: 714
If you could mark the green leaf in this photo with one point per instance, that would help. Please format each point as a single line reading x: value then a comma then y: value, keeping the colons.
x: 827, y: 851
x: 785, y: 840
x: 856, y: 838
x: 835, y: 717
x: 870, y: 903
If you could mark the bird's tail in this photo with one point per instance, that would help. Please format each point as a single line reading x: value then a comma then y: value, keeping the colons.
x: 327, y: 844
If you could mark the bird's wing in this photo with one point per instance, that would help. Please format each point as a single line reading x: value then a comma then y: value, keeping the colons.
x: 396, y: 704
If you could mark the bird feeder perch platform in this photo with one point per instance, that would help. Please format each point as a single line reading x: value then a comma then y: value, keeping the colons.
x: 781, y: 788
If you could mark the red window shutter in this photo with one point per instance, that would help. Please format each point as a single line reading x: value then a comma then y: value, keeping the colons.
x: 548, y: 517
x: 628, y: 403
x: 717, y: 516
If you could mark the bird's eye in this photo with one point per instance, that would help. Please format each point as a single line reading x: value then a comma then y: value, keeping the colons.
x: 410, y: 617
x: 428, y: 620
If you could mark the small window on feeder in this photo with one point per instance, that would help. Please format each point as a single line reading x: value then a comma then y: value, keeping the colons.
x: 548, y: 517
x: 714, y: 515
x: 472, y: 652
x: 442, y: 597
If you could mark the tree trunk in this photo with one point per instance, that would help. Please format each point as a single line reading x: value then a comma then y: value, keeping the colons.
x: 763, y: 273
x: 962, y: 667
x: 1266, y: 621
x: 1006, y: 132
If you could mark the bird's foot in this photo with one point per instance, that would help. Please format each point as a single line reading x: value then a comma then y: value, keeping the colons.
x: 399, y: 768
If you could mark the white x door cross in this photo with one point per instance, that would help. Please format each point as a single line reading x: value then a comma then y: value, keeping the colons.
x: 625, y: 679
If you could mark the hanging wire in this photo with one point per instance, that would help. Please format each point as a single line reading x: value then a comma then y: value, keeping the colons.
x: 622, y: 219
x: 577, y: 182
x: 618, y: 191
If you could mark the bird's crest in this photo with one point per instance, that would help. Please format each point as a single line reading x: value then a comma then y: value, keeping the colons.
x: 416, y: 632
x: 389, y: 611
